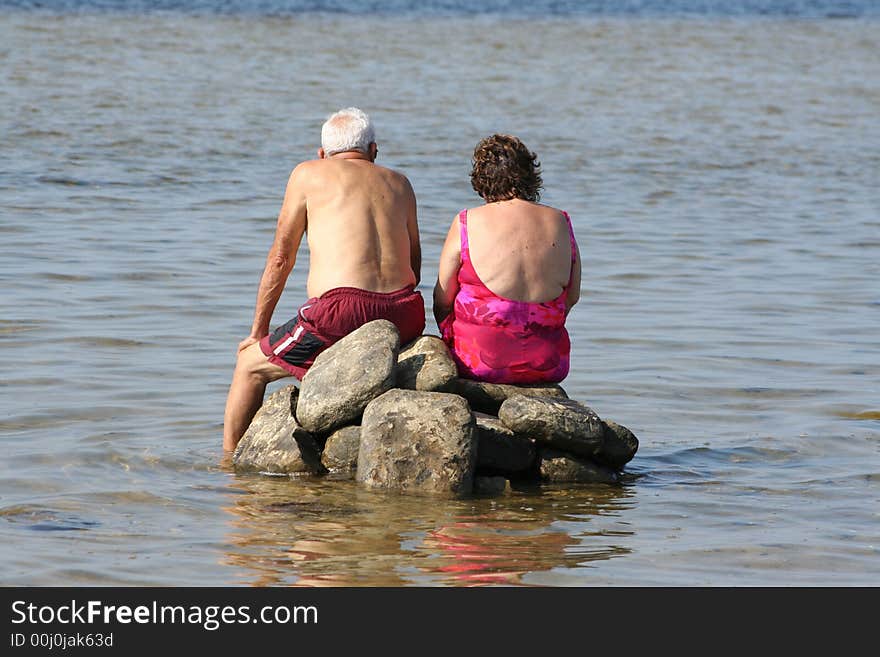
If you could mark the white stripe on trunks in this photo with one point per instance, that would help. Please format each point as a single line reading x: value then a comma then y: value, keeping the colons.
x: 281, y: 347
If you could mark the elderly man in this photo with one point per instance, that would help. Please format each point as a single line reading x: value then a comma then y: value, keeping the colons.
x: 365, y: 262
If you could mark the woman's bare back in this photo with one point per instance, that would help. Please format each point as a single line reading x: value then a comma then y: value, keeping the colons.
x: 520, y: 250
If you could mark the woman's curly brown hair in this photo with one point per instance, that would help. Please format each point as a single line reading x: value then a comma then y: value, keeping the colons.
x: 504, y: 169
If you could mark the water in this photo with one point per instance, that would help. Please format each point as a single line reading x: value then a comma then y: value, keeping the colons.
x: 722, y: 169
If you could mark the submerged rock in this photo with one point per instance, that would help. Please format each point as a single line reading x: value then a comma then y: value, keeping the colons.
x: 347, y: 376
x: 488, y: 397
x: 341, y: 450
x: 490, y: 485
x: 619, y: 447
x: 426, y: 364
x: 500, y: 449
x: 270, y: 443
x: 418, y: 442
x: 561, y: 423
x: 558, y: 467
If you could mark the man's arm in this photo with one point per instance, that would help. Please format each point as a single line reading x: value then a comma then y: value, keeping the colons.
x: 447, y: 277
x: 282, y: 256
x: 415, y: 247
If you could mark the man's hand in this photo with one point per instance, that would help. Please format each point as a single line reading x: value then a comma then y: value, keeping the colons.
x: 247, y: 342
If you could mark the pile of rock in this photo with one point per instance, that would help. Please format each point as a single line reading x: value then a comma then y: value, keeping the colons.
x: 403, y: 420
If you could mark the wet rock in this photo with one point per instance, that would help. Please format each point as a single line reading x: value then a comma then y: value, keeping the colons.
x: 564, y: 424
x: 418, y: 442
x: 619, y: 447
x: 425, y: 364
x: 558, y: 467
x: 488, y: 397
x: 500, y: 449
x: 490, y: 485
x: 347, y: 376
x: 310, y: 451
x: 269, y: 444
x: 341, y: 450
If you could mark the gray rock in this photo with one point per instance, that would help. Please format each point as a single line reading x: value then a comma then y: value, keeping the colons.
x: 488, y: 397
x: 425, y: 364
x: 274, y: 441
x: 341, y: 450
x: 347, y: 376
x: 564, y: 424
x: 418, y: 442
x: 490, y: 485
x: 619, y: 447
x: 500, y: 449
x: 558, y: 467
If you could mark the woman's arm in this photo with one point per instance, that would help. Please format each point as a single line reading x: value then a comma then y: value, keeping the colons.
x: 574, y: 290
x: 447, y: 278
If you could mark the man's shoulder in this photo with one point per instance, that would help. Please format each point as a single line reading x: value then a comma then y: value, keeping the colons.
x: 307, y: 173
x: 306, y: 167
x: 323, y: 171
x: 393, y: 174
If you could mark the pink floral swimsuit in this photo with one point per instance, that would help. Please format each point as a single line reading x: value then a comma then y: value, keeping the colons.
x: 501, y: 340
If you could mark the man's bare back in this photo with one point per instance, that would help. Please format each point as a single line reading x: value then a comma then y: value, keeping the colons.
x: 361, y: 224
x: 361, y: 227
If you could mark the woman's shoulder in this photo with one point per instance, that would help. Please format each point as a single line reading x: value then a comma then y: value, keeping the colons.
x: 517, y: 204
x: 550, y: 209
x: 554, y: 213
x: 524, y: 213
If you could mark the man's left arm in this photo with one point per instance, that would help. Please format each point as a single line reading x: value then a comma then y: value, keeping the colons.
x: 282, y: 257
x: 415, y: 247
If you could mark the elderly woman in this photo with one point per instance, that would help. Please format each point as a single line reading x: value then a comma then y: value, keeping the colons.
x: 509, y: 273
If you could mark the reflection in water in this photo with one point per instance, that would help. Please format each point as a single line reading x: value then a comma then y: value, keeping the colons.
x: 327, y: 531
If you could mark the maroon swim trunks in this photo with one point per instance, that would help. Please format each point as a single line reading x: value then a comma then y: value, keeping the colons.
x: 326, y: 319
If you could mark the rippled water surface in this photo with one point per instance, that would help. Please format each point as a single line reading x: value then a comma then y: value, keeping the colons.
x: 722, y: 173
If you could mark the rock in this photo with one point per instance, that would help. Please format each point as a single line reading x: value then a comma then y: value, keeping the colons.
x: 558, y: 467
x: 501, y: 450
x: 418, y: 442
x: 341, y: 450
x: 347, y: 376
x: 619, y: 447
x: 490, y: 485
x: 274, y: 441
x: 426, y: 365
x: 488, y: 397
x: 561, y: 423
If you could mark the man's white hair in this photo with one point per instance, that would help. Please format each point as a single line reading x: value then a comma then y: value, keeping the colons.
x: 349, y: 129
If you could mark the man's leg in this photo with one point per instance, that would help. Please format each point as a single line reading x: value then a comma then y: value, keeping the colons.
x: 253, y: 372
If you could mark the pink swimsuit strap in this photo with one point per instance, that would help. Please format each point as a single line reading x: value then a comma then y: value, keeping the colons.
x: 465, y: 247
x: 466, y: 251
